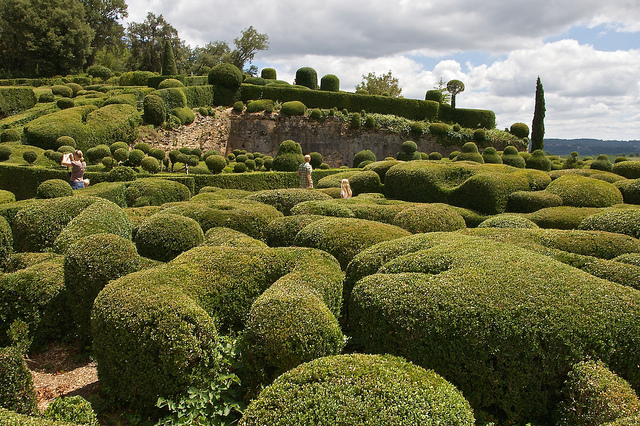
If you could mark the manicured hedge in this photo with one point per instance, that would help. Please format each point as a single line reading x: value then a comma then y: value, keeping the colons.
x: 579, y: 191
x: 460, y: 305
x: 164, y: 236
x: 282, y: 231
x: 530, y: 201
x: 16, y: 385
x: 381, y: 167
x: 628, y: 169
x: 227, y: 237
x: 412, y: 109
x: 112, y: 191
x: 11, y: 418
x: 344, y: 237
x: 630, y: 189
x: 507, y: 221
x: 154, y: 331
x: 561, y: 217
x: 285, y: 199
x: 54, y: 188
x: 155, y: 192
x: 429, y: 218
x: 622, y: 221
x: 16, y: 99
x: 359, y: 389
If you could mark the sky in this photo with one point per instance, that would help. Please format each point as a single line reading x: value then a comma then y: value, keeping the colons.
x: 586, y: 52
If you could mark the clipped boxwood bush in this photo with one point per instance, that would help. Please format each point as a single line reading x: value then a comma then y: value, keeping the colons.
x: 227, y: 237
x: 561, y: 217
x: 593, y: 394
x: 186, y: 115
x: 54, y: 188
x: 460, y: 305
x: 429, y: 218
x: 282, y: 231
x: 307, y: 77
x: 289, y: 157
x: 621, y: 221
x: 16, y: 384
x: 61, y: 90
x: 330, y: 83
x: 530, y: 201
x: 293, y: 108
x: 519, y: 130
x: 260, y: 105
x: 539, y: 161
x: 602, y: 163
x: 628, y: 169
x: 285, y: 199
x: 507, y: 221
x: 164, y: 236
x: 155, y: 192
x: 490, y: 155
x: 359, y: 389
x: 365, y: 182
x: 364, y: 155
x: 268, y: 73
x: 154, y: 109
x: 511, y: 157
x: 630, y: 189
x: 345, y: 237
x: 580, y: 191
x: 324, y: 208
x: 469, y: 152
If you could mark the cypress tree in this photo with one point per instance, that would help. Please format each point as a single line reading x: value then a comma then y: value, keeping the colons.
x: 537, y: 127
x: 168, y: 60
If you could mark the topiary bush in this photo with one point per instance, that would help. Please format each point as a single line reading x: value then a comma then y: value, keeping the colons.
x: 285, y: 199
x: 154, y: 110
x: 511, y: 157
x: 539, y: 161
x: 330, y: 83
x: 429, y: 218
x: 60, y: 90
x: 580, y: 191
x: 74, y: 409
x: 150, y: 164
x: 289, y: 157
x: 621, y: 221
x: 54, y: 188
x: 594, y: 395
x: 16, y: 384
x: 29, y: 156
x: 490, y: 155
x: 293, y: 108
x: 10, y: 135
x: 155, y: 192
x: 121, y: 155
x: 381, y: 167
x: 488, y: 351
x: 628, y: 169
x: 324, y: 208
x: 469, y: 152
x: 365, y: 182
x: 359, y: 389
x: 170, y: 82
x: 215, y: 163
x: 531, y: 201
x: 344, y: 237
x: 507, y: 221
x: 519, y: 130
x: 281, y: 232
x: 227, y: 237
x: 602, y: 163
x: 260, y: 105
x: 268, y: 73
x: 307, y: 77
x: 186, y: 115
x: 97, y: 153
x: 164, y: 236
x: 226, y: 75
x: 364, y: 155
x: 65, y: 141
x: 64, y: 103
x: 135, y: 157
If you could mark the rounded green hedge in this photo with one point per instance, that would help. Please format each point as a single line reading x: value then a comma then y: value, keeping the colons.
x: 469, y: 152
x: 531, y: 201
x: 381, y: 167
x: 508, y: 221
x: 163, y: 236
x: 580, y: 191
x: 364, y: 155
x: 345, y: 237
x: 60, y: 90
x: 490, y: 155
x: 365, y: 182
x: 630, y: 189
x: 307, y: 77
x: 90, y: 263
x: 150, y: 165
x: 330, y: 83
x: 293, y: 108
x: 282, y: 231
x: 268, y: 73
x: 154, y: 110
x: 74, y: 409
x: 170, y: 82
x: 359, y: 389
x: 285, y: 199
x: 289, y: 157
x: 227, y: 237
x: 561, y: 217
x: 628, y: 169
x: 511, y: 157
x: 155, y: 192
x: 323, y: 208
x: 16, y: 384
x: 10, y: 135
x: 519, y: 130
x: 54, y: 188
x: 226, y: 75
x: 602, y: 163
x: 621, y: 221
x: 429, y: 218
x: 121, y: 174
x: 184, y: 114
x: 491, y: 317
x: 539, y: 161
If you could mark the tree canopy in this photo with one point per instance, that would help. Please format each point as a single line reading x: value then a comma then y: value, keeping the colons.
x: 146, y: 43
x: 454, y: 87
x: 386, y: 84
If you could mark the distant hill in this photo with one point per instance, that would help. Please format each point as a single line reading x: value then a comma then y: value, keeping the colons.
x: 590, y: 147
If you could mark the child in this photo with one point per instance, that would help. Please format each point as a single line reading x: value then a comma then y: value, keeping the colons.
x: 345, y: 189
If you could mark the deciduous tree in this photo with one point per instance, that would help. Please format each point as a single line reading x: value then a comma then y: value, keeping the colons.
x: 103, y: 17
x: 146, y: 43
x: 386, y: 84
x: 247, y: 45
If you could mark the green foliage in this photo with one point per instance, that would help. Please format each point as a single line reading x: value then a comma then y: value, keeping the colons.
x: 594, y: 395
x: 168, y: 60
x: 155, y: 192
x: 316, y: 160
x: 185, y: 115
x: 285, y: 199
x: 539, y: 161
x: 622, y: 221
x: 380, y: 85
x: 628, y: 169
x: 238, y: 106
x: 511, y: 157
x: 62, y: 90
x: 580, y: 191
x: 99, y: 71
x: 330, y: 83
x: 260, y: 105
x: 16, y: 385
x: 531, y: 201
x: 489, y: 350
x: 164, y: 236
x: 490, y: 155
x: 289, y: 156
x: 429, y: 218
x: 355, y: 122
x: 364, y: 155
x: 73, y: 409
x: 215, y: 163
x: 359, y: 389
x: 16, y: 99
x: 150, y: 165
x: 10, y: 135
x: 295, y: 108
x: 282, y: 231
x: 97, y: 153
x: 225, y: 75
x: 469, y: 152
x: 268, y: 73
x: 602, y: 163
x: 30, y: 156
x: 507, y: 221
x: 537, y: 127
x: 65, y: 141
x: 434, y: 95
x: 307, y: 77
x: 54, y: 188
x: 173, y: 98
x: 121, y: 155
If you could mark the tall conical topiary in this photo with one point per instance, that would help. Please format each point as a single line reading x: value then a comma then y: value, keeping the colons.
x: 168, y: 60
x: 537, y: 127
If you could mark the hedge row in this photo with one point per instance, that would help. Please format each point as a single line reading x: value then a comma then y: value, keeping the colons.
x: 460, y: 305
x: 155, y: 331
x: 15, y: 99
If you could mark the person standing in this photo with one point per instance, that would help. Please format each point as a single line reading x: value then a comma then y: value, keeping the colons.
x: 304, y: 173
x: 345, y: 189
x: 78, y: 166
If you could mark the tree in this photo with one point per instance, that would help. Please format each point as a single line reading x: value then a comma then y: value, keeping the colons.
x: 208, y: 56
x: 247, y: 45
x: 43, y: 37
x: 168, y: 60
x: 446, y: 97
x: 146, y: 43
x: 385, y: 84
x: 537, y: 126
x: 454, y: 87
x: 102, y: 16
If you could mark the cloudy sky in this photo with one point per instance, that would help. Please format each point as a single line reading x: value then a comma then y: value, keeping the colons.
x: 586, y: 52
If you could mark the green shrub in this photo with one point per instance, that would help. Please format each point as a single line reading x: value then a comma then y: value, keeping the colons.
x: 519, y: 130
x: 150, y: 165
x: 121, y: 174
x: 16, y: 99
x: 364, y: 155
x: 330, y: 83
x: 7, y: 197
x: 10, y: 135
x: 135, y: 157
x: 316, y: 160
x: 413, y: 295
x: 602, y: 163
x: 46, y: 97
x: 490, y: 155
x: 628, y: 169
x: 282, y: 231
x: 307, y: 77
x: 170, y: 82
x: 289, y: 157
x: 268, y: 73
x: 30, y: 156
x: 112, y: 191
x: 121, y: 155
x: 99, y: 71
x: 16, y: 385
x: 65, y: 141
x: 73, y: 409
x: 580, y: 191
x: 511, y: 157
x: 324, y: 208
x: 154, y: 110
x: 620, y: 159
x: 64, y: 103
x: 365, y: 182
x: 293, y: 108
x: 164, y: 236
x: 156, y: 153
x: 429, y: 218
x: 225, y: 75
x: 239, y: 168
x: 630, y: 189
x: 438, y: 129
x: 285, y: 199
x: 622, y: 221
x: 215, y: 163
x: 593, y: 395
x: 344, y: 237
x: 124, y: 98
x: 381, y: 167
x: 409, y: 147
x: 97, y: 153
x: 561, y: 217
x: 6, y: 241
x: 135, y: 78
x: 186, y: 115
x: 538, y: 160
x: 155, y: 192
x: 434, y: 95
x: 507, y: 221
x: 469, y: 152
x: 90, y: 263
x: 359, y: 389
x: 260, y: 105
x: 173, y: 98
x: 60, y: 90
x: 238, y: 106
x: 227, y: 237
x: 54, y: 188
x: 530, y: 201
